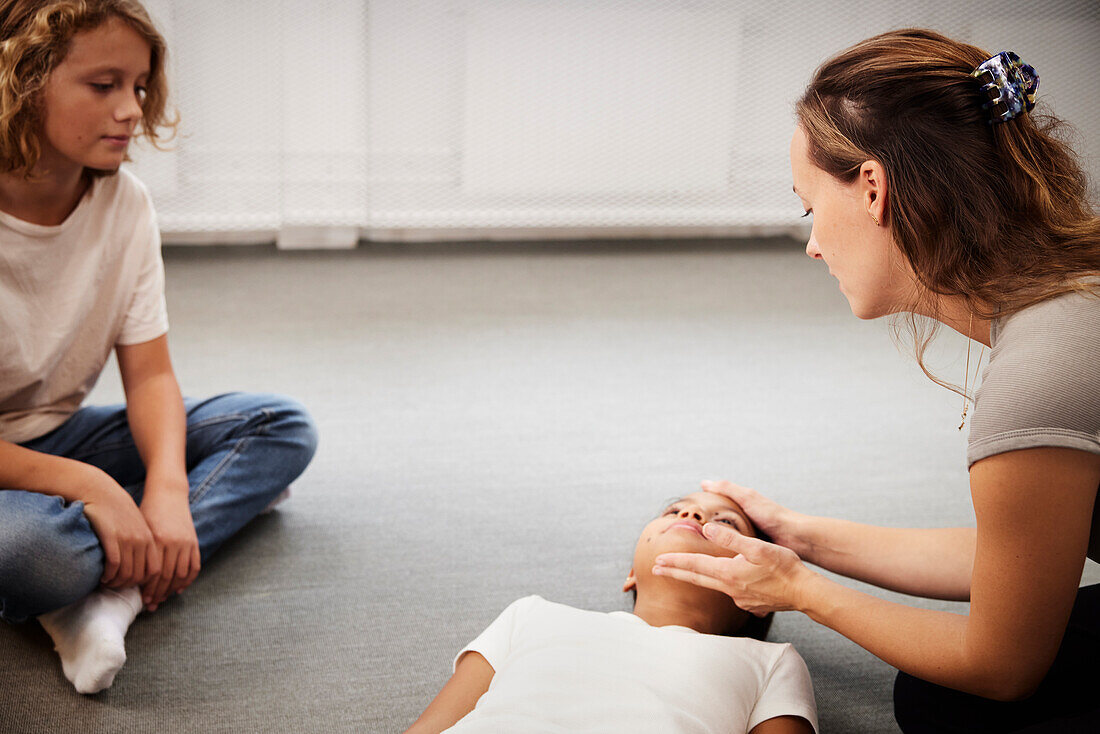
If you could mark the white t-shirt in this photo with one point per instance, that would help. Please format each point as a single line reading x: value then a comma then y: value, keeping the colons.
x: 68, y: 294
x: 560, y: 669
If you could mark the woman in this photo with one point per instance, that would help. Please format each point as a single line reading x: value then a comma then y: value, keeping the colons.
x: 935, y: 193
x: 104, y: 510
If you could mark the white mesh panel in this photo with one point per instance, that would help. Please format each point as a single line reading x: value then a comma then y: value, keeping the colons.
x: 480, y: 115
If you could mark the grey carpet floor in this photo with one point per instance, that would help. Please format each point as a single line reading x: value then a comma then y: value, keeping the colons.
x: 500, y: 420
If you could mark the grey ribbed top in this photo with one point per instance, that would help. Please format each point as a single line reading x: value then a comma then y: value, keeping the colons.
x: 1041, y: 386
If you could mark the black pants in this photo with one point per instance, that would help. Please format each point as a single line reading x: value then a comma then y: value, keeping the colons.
x: 1067, y: 701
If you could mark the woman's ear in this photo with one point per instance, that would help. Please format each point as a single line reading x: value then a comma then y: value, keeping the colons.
x: 630, y: 582
x: 873, y: 189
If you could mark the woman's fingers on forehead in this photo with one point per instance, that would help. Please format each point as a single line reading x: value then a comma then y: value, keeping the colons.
x: 733, y: 492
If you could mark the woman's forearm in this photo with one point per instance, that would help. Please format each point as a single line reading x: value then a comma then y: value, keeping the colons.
x: 927, y: 644
x: 935, y: 563
x: 1020, y: 567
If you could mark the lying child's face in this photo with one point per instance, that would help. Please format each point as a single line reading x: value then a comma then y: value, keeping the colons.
x: 679, y: 528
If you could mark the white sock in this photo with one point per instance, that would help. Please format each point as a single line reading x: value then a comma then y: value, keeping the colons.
x: 283, y: 497
x: 89, y: 636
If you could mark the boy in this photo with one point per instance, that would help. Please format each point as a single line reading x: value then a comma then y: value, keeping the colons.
x: 104, y: 509
x: 674, y: 665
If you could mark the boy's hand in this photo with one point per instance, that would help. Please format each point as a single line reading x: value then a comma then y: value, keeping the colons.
x: 130, y: 554
x: 169, y: 517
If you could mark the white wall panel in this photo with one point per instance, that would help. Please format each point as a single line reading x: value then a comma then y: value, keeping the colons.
x: 453, y: 118
x: 576, y: 100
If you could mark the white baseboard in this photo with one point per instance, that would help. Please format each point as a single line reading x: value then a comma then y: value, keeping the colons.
x: 329, y: 238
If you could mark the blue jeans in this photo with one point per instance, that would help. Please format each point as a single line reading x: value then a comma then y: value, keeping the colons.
x: 242, y: 451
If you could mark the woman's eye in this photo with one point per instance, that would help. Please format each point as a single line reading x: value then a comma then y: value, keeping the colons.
x: 141, y: 92
x: 672, y: 511
x: 728, y: 521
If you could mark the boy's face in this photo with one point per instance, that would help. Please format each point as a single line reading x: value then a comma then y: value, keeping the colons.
x: 679, y: 528
x: 93, y: 98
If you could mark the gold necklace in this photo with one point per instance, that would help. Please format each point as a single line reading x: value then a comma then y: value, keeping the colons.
x: 966, y: 373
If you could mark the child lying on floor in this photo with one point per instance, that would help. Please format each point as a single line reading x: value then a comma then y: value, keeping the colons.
x: 679, y: 663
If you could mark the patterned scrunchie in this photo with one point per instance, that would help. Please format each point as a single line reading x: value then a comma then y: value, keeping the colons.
x: 1008, y: 84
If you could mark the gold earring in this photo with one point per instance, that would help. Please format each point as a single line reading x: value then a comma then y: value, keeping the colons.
x: 875, y: 219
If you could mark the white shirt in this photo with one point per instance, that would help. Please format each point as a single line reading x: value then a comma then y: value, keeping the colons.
x: 560, y: 669
x: 68, y: 295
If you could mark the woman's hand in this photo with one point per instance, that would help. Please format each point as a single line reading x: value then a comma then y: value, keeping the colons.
x: 780, y: 523
x: 169, y: 516
x: 764, y: 578
x: 130, y: 555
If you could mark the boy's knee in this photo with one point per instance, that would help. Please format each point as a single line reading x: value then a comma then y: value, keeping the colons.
x: 293, y: 424
x: 48, y: 560
x: 236, y: 415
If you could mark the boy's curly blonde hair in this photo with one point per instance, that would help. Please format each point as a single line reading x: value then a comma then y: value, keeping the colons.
x: 34, y: 38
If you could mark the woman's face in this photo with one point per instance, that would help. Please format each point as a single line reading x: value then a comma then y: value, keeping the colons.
x: 93, y: 98
x: 873, y: 274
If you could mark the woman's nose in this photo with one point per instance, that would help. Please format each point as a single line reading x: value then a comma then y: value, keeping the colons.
x: 812, y: 249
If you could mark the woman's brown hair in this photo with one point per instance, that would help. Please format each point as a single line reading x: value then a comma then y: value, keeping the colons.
x: 995, y: 213
x: 34, y: 38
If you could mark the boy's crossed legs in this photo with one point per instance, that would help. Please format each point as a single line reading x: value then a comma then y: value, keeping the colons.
x: 243, y: 450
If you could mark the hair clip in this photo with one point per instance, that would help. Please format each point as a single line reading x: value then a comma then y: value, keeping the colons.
x: 1008, y: 84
